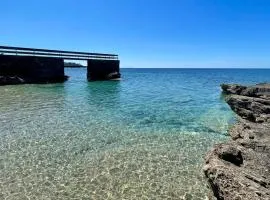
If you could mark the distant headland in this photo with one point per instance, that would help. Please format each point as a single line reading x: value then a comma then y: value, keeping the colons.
x: 73, y: 65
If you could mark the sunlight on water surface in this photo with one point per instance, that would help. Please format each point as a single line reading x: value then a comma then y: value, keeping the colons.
x: 144, y: 137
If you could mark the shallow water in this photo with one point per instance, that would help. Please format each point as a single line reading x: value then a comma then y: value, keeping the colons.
x: 140, y: 138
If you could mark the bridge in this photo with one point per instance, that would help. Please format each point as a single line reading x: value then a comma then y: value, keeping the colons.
x: 32, y: 65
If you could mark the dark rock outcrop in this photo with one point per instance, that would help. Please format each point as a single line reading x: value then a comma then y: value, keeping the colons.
x: 240, y: 168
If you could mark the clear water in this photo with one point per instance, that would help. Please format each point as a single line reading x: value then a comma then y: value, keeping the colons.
x: 144, y: 137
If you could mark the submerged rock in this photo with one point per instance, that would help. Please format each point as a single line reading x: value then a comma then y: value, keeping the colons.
x: 240, y: 168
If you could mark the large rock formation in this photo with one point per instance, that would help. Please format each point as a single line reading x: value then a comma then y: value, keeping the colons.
x: 240, y: 168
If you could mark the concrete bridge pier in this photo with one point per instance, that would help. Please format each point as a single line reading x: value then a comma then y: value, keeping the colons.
x: 98, y: 69
x: 31, y: 69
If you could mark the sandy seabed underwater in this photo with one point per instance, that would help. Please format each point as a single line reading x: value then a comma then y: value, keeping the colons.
x: 144, y: 137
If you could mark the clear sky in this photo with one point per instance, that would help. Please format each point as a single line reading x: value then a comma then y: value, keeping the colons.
x: 145, y: 33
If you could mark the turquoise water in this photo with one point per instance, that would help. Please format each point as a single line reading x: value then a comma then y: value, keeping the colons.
x: 144, y: 137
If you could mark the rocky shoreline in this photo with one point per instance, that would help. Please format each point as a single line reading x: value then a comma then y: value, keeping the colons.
x: 240, y: 168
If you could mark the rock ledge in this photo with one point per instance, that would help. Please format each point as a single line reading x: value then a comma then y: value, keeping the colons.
x: 240, y: 168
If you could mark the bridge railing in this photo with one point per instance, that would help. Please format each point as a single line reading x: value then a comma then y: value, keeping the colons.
x: 67, y: 55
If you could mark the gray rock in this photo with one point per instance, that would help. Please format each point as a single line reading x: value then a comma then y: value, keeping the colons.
x: 259, y: 90
x: 240, y: 168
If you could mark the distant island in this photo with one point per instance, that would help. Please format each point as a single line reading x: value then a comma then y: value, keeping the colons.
x: 73, y: 65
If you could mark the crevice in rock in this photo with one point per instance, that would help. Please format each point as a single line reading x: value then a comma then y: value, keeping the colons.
x: 235, y: 158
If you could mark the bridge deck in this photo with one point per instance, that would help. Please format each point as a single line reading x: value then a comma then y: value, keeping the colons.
x: 67, y: 55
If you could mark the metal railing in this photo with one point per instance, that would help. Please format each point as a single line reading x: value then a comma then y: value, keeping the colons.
x: 67, y: 55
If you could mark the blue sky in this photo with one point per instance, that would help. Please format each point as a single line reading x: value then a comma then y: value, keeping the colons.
x: 146, y: 33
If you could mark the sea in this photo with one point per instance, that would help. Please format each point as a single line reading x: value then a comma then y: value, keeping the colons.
x: 143, y: 137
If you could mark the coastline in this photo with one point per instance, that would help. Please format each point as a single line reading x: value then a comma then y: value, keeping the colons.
x: 240, y: 168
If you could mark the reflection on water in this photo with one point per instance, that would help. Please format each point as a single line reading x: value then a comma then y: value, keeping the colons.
x: 141, y: 138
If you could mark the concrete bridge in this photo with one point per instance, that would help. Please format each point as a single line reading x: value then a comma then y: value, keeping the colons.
x: 30, y: 65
